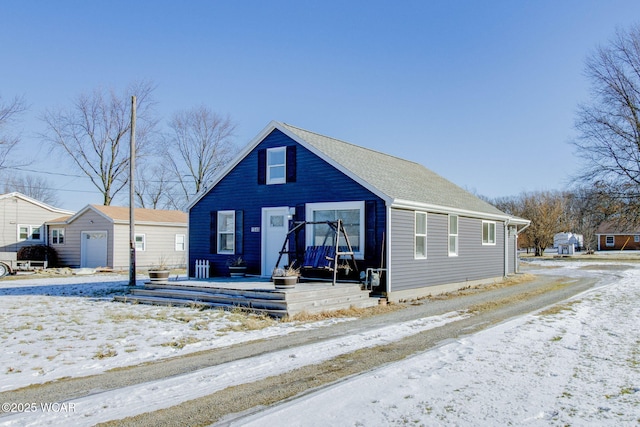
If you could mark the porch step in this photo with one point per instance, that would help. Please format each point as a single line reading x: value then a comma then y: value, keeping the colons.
x: 277, y: 303
x: 193, y: 303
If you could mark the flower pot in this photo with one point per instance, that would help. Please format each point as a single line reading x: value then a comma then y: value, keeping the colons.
x: 159, y: 277
x: 237, y: 271
x: 285, y: 282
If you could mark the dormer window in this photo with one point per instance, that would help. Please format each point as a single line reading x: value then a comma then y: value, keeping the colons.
x: 276, y: 165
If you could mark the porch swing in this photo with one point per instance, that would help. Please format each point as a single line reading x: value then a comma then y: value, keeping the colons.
x: 324, y: 257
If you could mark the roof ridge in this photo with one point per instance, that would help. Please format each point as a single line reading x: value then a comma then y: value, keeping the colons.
x: 354, y: 145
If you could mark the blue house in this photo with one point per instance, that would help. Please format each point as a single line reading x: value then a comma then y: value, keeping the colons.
x: 420, y: 232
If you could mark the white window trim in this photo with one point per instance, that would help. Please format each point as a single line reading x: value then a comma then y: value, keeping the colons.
x: 311, y: 207
x: 613, y: 241
x: 232, y: 232
x: 180, y: 242
x: 420, y: 235
x: 59, y: 232
x: 449, y: 235
x: 144, y: 242
x: 30, y: 229
x: 489, y: 242
x: 280, y: 180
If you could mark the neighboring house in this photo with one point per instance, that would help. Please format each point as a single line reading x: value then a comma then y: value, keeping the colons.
x: 425, y: 231
x: 23, y: 223
x: 99, y: 236
x: 611, y: 237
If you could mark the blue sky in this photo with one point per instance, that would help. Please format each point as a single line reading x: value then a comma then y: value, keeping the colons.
x: 482, y: 92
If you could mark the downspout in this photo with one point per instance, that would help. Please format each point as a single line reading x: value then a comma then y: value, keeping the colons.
x: 517, y: 266
x: 506, y: 247
x: 388, y: 246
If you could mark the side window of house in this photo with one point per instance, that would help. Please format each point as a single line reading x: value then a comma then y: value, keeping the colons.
x: 57, y: 236
x: 421, y: 235
x: 488, y: 233
x: 453, y: 235
x: 226, y: 232
x: 140, y: 242
x: 609, y: 241
x: 276, y: 165
x: 30, y: 232
x: 180, y: 242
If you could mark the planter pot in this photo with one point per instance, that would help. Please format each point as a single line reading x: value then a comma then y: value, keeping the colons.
x: 285, y: 282
x: 237, y: 271
x: 159, y: 277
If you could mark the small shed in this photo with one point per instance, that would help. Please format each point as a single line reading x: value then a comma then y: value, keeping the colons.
x: 98, y: 236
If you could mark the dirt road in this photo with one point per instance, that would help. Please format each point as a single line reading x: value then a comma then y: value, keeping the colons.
x: 490, y: 306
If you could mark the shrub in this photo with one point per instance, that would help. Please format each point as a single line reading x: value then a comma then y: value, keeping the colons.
x: 39, y: 253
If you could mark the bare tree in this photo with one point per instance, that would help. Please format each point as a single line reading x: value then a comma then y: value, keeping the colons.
x: 609, y: 126
x: 9, y: 112
x: 199, y: 145
x: 94, y: 134
x: 32, y: 186
x: 154, y: 187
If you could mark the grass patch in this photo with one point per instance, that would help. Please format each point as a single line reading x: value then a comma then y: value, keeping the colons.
x: 243, y: 320
x: 468, y: 290
x: 559, y: 308
x: 181, y: 343
x: 104, y: 352
x: 492, y: 305
x: 342, y: 313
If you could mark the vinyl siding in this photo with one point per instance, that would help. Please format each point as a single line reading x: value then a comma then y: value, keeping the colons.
x: 315, y: 181
x: 159, y: 246
x: 473, y: 262
x: 15, y: 211
x: 69, y: 251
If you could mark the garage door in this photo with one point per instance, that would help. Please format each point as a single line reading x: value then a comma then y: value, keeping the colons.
x: 93, y: 249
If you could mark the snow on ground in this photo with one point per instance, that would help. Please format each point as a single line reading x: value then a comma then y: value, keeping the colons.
x: 69, y: 327
x: 578, y: 365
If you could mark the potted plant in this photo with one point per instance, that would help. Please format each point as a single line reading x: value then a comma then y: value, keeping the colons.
x: 237, y: 267
x: 285, y: 278
x: 159, y: 274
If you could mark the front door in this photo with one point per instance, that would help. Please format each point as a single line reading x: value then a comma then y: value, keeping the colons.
x: 275, y: 225
x: 93, y: 249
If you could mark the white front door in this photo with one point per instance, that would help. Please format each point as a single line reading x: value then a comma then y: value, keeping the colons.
x: 93, y: 249
x: 275, y: 225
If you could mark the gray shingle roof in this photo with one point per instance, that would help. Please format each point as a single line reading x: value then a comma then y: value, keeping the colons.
x: 398, y: 179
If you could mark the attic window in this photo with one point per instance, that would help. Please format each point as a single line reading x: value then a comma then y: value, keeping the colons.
x: 276, y: 165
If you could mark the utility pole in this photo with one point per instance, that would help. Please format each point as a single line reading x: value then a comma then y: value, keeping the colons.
x: 132, y: 223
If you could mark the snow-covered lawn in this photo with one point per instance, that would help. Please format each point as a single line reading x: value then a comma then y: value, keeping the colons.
x: 575, y: 364
x: 69, y: 327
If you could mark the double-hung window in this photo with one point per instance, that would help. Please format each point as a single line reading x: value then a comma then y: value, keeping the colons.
x: 609, y: 241
x: 488, y: 233
x: 141, y: 242
x: 421, y: 235
x: 180, y: 242
x: 57, y: 236
x: 30, y: 232
x: 453, y: 235
x: 226, y: 233
x: 277, y: 165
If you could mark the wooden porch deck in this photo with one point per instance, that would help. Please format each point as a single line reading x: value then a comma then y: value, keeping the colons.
x: 252, y: 293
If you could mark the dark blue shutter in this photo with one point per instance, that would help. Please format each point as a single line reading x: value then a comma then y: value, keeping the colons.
x: 291, y: 163
x: 239, y: 233
x: 262, y: 167
x: 371, y: 252
x: 213, y: 233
